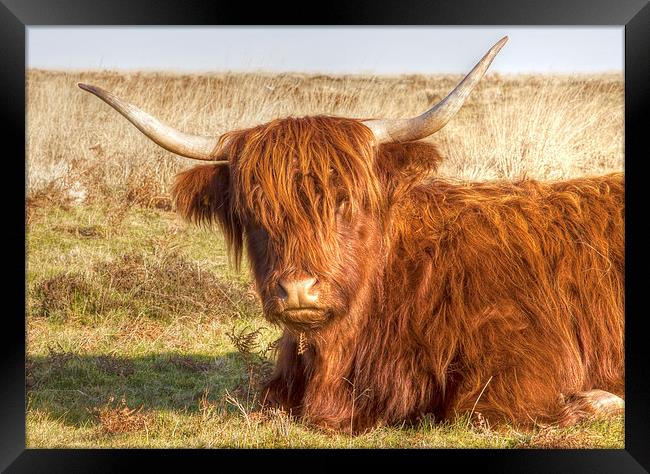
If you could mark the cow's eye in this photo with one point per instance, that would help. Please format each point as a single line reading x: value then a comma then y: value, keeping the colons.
x: 258, y: 234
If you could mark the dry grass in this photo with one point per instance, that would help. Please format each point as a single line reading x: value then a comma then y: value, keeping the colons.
x: 537, y: 126
x: 127, y: 303
x: 168, y: 283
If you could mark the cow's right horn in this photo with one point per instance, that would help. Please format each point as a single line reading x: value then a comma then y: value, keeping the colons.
x: 402, y: 130
x: 191, y: 146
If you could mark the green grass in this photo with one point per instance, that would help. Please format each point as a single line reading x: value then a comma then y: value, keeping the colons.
x: 141, y: 335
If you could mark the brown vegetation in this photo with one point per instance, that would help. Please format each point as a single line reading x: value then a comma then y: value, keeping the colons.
x: 119, y: 418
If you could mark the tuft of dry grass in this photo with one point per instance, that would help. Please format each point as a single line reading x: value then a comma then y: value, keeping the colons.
x: 39, y: 200
x: 115, y: 365
x: 57, y: 361
x: 588, y: 434
x: 186, y: 363
x: 171, y: 284
x: 84, y: 231
x: 119, y: 418
x: 61, y: 294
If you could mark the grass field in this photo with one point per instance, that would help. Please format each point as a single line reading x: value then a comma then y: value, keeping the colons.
x: 139, y: 334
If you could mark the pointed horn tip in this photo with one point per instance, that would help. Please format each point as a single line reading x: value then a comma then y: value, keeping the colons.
x: 92, y: 89
x: 499, y: 44
x: 86, y: 87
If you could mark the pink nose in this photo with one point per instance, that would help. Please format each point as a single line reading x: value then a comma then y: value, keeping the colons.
x: 296, y: 294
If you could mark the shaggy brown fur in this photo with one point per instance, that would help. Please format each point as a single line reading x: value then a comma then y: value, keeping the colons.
x: 499, y: 298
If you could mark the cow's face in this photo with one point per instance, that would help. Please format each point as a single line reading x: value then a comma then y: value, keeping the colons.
x: 310, y: 203
x: 303, y: 279
x: 310, y: 200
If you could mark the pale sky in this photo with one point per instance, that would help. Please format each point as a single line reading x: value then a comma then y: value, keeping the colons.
x: 374, y: 50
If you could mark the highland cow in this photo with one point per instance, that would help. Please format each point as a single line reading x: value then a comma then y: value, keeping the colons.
x: 402, y: 294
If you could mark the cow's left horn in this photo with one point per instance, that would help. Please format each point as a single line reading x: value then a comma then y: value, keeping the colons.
x: 402, y: 130
x: 191, y: 146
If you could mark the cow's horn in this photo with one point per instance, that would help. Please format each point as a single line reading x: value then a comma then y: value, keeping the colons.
x: 192, y: 146
x: 402, y: 130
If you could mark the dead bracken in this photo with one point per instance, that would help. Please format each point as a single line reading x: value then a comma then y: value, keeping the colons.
x: 115, y: 365
x: 120, y: 418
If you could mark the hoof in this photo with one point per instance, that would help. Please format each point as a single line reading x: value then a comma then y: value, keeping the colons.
x: 591, y: 404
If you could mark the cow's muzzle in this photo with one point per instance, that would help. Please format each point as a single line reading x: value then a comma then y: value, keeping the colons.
x: 299, y: 306
x: 298, y: 294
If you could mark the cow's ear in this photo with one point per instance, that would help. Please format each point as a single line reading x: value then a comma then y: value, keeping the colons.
x: 408, y: 160
x: 202, y: 195
x: 401, y: 165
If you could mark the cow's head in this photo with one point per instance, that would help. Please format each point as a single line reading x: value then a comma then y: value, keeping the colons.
x: 309, y: 198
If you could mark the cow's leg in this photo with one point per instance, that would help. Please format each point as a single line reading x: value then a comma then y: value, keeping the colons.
x: 533, y: 403
x: 330, y: 405
x: 286, y: 387
x: 323, y: 397
x: 332, y: 400
x: 590, y: 404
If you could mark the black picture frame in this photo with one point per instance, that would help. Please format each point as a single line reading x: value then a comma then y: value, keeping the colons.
x: 17, y: 15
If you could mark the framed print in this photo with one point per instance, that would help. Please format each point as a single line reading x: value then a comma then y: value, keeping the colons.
x: 391, y: 227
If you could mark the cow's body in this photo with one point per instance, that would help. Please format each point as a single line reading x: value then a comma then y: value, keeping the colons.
x: 503, y: 299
